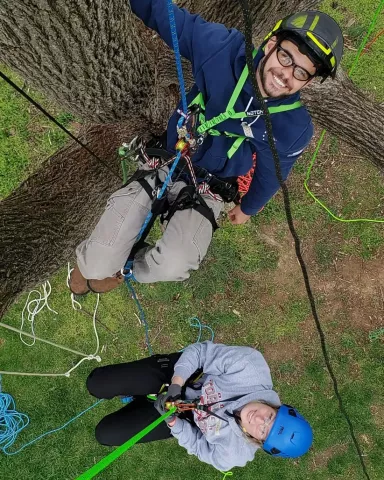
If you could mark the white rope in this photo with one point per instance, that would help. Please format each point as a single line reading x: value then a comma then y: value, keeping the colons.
x: 75, y: 304
x: 33, y: 307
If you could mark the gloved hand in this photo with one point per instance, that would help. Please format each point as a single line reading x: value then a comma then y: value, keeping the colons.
x: 174, y: 393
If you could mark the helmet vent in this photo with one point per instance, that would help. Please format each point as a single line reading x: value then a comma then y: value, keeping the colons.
x: 292, y: 412
x: 275, y: 451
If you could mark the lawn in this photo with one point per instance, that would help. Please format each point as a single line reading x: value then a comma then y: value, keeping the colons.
x: 249, y: 290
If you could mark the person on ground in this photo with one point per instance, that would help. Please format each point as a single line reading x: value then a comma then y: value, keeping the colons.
x: 300, y: 48
x: 239, y: 412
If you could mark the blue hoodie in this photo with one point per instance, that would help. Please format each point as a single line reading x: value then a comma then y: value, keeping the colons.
x: 217, y: 55
x: 228, y: 372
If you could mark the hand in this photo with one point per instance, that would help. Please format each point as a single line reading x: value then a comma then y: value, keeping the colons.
x: 237, y: 217
x: 174, y: 393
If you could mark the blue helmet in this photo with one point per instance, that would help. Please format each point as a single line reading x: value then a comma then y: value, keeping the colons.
x: 290, y: 436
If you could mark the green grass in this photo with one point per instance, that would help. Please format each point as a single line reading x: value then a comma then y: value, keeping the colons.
x: 51, y: 402
x: 27, y: 137
x: 244, y: 291
x: 355, y: 18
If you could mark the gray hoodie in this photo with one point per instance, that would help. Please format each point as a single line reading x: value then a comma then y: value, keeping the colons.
x: 228, y: 372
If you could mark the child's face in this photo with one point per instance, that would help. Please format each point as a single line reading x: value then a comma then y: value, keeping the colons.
x: 257, y: 419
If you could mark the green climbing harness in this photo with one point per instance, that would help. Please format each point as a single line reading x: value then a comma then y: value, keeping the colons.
x: 206, y: 126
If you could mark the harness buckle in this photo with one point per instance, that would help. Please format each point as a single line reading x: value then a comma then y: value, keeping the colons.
x: 208, y: 177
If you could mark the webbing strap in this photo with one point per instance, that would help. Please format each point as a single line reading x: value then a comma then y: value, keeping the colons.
x: 285, y: 108
x: 235, y: 146
x: 240, y: 84
x: 206, y: 126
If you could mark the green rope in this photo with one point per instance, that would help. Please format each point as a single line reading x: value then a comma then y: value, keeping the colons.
x: 365, y: 40
x: 104, y: 462
x: 311, y: 194
x: 226, y: 474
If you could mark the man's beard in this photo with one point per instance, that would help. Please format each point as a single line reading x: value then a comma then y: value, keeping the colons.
x: 263, y: 79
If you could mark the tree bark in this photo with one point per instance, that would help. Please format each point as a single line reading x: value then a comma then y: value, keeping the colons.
x: 94, y: 59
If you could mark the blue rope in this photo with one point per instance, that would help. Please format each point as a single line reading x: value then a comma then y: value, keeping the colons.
x: 175, y: 43
x: 142, y: 315
x: 12, y: 423
x: 196, y: 323
x: 128, y: 265
x: 159, y: 195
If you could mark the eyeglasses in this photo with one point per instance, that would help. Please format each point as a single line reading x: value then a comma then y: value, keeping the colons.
x: 286, y: 60
x: 263, y: 428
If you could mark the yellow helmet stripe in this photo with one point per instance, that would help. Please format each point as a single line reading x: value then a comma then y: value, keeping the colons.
x: 277, y: 25
x: 314, y: 23
x: 327, y: 51
x: 274, y: 28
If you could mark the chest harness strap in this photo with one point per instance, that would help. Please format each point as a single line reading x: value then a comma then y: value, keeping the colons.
x: 206, y: 126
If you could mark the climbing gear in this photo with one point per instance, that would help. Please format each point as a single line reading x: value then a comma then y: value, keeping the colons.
x: 172, y: 394
x: 104, y: 462
x: 244, y: 181
x: 290, y: 436
x: 317, y: 36
x: 188, y: 197
x: 186, y: 405
x: 224, y: 187
x: 206, y: 126
x: 164, y: 401
x: 275, y: 155
x: 321, y: 139
x: 32, y: 313
x: 12, y: 423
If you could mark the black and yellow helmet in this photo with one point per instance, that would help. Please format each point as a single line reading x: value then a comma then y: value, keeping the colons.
x: 318, y: 36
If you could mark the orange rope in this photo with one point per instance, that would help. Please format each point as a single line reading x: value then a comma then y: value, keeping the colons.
x: 244, y: 181
x: 366, y: 49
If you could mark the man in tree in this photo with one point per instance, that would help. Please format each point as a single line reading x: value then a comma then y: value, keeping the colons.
x: 231, y: 130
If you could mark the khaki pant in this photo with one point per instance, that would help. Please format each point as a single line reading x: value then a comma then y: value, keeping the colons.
x: 182, y: 247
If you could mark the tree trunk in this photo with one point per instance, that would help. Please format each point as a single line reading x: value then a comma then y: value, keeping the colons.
x: 97, y: 61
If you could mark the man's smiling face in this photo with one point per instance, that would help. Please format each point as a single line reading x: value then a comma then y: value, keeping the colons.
x: 274, y: 79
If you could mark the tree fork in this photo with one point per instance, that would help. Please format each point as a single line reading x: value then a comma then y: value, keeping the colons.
x: 94, y: 59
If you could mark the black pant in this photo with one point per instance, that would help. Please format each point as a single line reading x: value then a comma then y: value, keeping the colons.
x: 137, y: 379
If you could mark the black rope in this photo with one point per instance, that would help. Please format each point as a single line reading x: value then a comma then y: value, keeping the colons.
x: 39, y: 107
x: 248, y: 51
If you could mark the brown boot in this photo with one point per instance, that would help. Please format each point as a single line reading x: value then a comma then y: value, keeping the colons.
x: 106, y: 285
x: 77, y: 283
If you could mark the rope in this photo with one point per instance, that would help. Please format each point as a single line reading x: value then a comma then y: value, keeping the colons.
x: 48, y: 115
x: 12, y: 423
x: 226, y: 474
x: 32, y: 335
x: 47, y: 289
x: 104, y: 462
x: 249, y: 49
x: 195, y: 322
x: 365, y: 39
x: 175, y: 43
x: 321, y: 139
x: 143, y: 319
